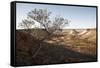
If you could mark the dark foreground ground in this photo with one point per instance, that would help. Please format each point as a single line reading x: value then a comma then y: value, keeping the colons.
x: 57, y: 49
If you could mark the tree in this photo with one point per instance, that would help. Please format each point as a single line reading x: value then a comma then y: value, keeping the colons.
x: 50, y: 25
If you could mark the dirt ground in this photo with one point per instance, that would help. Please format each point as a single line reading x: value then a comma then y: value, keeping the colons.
x: 67, y: 47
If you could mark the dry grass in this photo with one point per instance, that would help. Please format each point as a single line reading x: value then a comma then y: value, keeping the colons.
x: 57, y: 49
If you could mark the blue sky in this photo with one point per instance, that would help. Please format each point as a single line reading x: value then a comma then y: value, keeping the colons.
x: 80, y: 17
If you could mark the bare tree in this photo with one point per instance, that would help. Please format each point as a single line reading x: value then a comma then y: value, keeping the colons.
x: 26, y: 24
x: 50, y: 25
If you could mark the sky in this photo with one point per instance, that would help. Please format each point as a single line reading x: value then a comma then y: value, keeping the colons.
x: 80, y: 17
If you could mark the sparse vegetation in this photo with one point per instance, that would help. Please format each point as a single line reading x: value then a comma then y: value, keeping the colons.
x: 42, y: 16
x: 50, y: 43
x: 56, y: 49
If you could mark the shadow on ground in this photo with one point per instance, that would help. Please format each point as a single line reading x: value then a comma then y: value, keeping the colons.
x: 26, y: 46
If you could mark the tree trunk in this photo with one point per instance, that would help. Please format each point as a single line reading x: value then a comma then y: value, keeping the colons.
x: 40, y: 42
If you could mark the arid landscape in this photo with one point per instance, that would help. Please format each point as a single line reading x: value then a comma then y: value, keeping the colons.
x: 71, y: 45
x: 52, y: 34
